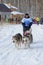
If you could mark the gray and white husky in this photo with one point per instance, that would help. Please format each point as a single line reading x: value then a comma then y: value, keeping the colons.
x: 19, y: 40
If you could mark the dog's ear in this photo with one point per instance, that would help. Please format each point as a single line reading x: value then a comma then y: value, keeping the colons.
x: 13, y: 36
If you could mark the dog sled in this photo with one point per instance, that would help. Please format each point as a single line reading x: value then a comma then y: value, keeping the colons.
x: 25, y: 40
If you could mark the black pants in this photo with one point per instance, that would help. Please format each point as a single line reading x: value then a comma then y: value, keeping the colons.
x: 26, y: 27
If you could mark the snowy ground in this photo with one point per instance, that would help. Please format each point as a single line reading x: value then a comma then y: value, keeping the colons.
x: 9, y: 55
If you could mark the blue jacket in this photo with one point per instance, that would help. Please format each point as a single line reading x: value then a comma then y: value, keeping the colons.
x: 26, y: 21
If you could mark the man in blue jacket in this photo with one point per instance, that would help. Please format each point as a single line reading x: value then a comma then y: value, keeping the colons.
x: 26, y: 22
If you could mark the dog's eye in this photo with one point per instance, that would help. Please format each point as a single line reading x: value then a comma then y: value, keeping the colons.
x: 13, y: 41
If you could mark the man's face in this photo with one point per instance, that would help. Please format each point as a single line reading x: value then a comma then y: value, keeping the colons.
x: 26, y: 16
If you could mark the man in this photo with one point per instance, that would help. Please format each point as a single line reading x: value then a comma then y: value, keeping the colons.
x: 26, y: 22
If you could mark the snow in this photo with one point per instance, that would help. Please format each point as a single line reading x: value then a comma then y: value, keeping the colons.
x: 10, y: 6
x: 14, y: 7
x: 16, y: 12
x: 7, y: 5
x: 9, y: 55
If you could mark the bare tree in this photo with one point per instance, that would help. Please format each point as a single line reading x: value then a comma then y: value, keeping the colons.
x: 1, y: 1
x: 33, y: 7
